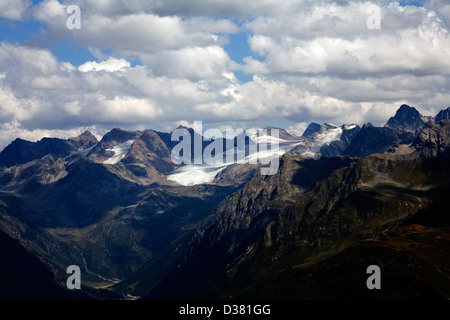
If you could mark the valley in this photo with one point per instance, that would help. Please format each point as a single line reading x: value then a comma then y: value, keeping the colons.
x: 140, y: 225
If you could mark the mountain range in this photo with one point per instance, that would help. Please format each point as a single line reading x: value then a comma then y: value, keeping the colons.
x: 141, y: 226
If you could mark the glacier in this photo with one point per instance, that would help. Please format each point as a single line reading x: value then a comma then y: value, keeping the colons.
x: 120, y: 151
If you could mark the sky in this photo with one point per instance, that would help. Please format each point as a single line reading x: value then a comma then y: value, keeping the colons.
x: 229, y: 63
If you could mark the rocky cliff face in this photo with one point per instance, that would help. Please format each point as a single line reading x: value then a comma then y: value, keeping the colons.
x: 434, y: 140
x: 372, y: 139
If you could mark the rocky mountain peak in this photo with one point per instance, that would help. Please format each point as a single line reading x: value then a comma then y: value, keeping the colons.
x: 183, y: 127
x: 311, y: 129
x: 149, y: 152
x: 282, y: 133
x: 103, y: 150
x: 314, y: 128
x: 120, y: 135
x: 443, y: 114
x: 84, y: 140
x: 406, y: 119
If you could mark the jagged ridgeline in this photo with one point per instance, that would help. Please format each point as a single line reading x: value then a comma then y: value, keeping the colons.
x: 140, y: 225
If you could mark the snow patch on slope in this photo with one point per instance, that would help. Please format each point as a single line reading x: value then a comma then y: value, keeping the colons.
x: 324, y: 138
x: 265, y: 138
x: 190, y: 175
x: 120, y: 151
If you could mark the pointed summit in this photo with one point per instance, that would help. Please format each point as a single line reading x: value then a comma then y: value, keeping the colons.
x: 84, y: 141
x: 312, y: 128
x: 282, y: 133
x: 183, y: 127
x: 443, y: 114
x: 406, y: 119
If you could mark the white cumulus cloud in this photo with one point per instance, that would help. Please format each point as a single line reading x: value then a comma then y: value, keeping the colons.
x: 110, y: 65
